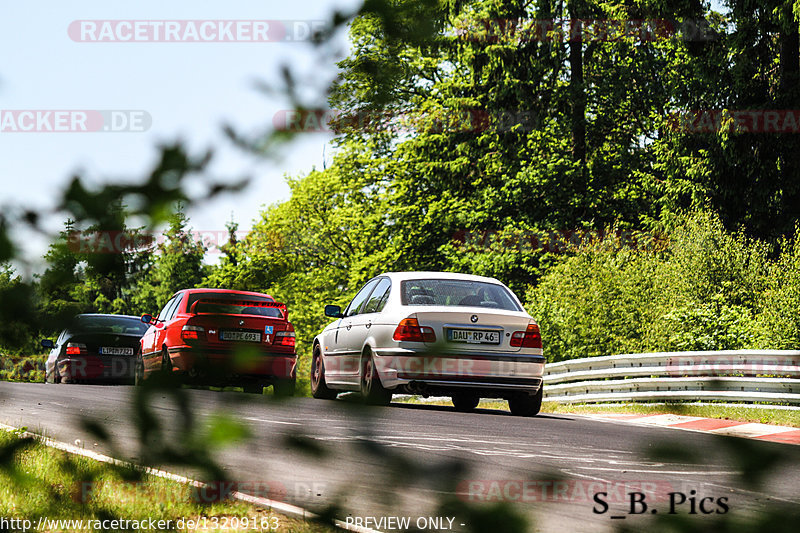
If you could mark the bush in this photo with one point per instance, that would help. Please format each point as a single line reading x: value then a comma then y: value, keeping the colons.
x: 701, y: 289
x: 22, y: 368
x: 777, y: 325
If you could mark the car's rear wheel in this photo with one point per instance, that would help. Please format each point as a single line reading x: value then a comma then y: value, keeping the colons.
x: 465, y: 401
x: 283, y: 388
x: 319, y: 389
x: 526, y: 404
x: 166, y: 362
x: 254, y: 389
x: 53, y: 377
x: 371, y: 387
x: 138, y: 369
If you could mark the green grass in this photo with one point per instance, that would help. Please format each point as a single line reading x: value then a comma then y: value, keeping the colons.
x: 743, y: 413
x: 39, y: 481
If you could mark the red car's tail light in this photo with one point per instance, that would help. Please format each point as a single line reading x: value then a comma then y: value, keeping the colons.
x: 285, y: 338
x: 530, y: 338
x: 193, y: 333
x: 75, y: 348
x: 409, y: 330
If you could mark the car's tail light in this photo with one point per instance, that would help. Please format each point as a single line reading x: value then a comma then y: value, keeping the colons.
x: 530, y: 338
x: 285, y: 338
x: 75, y: 348
x: 193, y: 333
x: 409, y: 330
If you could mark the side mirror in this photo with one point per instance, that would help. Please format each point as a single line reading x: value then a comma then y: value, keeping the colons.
x: 47, y: 343
x: 333, y: 311
x: 147, y: 319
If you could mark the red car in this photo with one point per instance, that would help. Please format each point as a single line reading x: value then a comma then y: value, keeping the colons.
x: 221, y: 337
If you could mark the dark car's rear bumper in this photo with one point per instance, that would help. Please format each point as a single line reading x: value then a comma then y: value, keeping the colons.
x: 96, y: 368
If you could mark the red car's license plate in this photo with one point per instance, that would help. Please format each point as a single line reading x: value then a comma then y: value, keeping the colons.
x: 248, y: 336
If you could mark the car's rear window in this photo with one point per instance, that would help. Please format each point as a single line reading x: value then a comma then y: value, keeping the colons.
x: 457, y: 293
x: 108, y: 324
x: 238, y: 308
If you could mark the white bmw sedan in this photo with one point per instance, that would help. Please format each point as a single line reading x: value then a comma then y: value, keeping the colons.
x: 431, y: 333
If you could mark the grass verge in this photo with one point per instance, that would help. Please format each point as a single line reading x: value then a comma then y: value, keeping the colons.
x: 742, y: 413
x: 38, y: 482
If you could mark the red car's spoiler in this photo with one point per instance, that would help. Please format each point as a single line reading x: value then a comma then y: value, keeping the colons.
x: 242, y: 303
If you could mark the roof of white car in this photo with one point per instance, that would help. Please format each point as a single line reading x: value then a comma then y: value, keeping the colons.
x: 438, y: 275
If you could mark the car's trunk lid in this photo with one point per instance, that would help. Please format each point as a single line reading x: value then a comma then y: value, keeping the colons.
x: 473, y: 328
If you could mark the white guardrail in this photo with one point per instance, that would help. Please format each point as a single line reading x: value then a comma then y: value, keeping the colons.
x: 770, y: 376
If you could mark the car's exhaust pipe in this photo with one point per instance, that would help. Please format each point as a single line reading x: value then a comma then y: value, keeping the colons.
x: 418, y: 387
x: 195, y: 373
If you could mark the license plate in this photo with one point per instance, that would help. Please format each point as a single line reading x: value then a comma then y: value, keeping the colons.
x: 472, y: 336
x: 249, y: 336
x: 115, y: 350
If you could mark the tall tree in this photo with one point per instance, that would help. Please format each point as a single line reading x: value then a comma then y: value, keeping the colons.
x: 17, y: 319
x: 177, y: 264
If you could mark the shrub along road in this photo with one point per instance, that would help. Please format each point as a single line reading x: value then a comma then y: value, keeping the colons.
x: 404, y: 460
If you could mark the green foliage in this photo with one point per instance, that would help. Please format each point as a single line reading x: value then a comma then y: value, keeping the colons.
x: 777, y: 324
x: 178, y: 264
x: 22, y: 368
x: 703, y: 289
x: 17, y: 319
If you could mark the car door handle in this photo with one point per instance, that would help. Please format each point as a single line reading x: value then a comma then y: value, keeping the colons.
x: 369, y: 325
x: 348, y: 326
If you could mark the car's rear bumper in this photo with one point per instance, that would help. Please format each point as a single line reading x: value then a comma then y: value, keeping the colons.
x: 233, y: 364
x: 97, y: 368
x: 490, y: 373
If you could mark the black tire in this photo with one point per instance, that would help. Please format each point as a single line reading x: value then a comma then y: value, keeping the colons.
x: 53, y: 377
x: 283, y: 388
x: 138, y: 369
x: 526, y: 404
x: 371, y: 387
x: 465, y: 401
x: 319, y: 389
x: 254, y: 388
x: 166, y: 362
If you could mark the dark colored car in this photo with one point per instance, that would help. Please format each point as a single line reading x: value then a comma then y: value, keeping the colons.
x: 95, y: 348
x: 222, y: 337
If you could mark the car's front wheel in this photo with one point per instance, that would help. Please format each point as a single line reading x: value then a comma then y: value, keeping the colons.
x: 371, y: 387
x: 465, y: 401
x: 319, y: 388
x: 526, y: 404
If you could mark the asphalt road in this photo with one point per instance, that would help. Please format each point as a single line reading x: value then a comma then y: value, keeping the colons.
x: 404, y: 460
